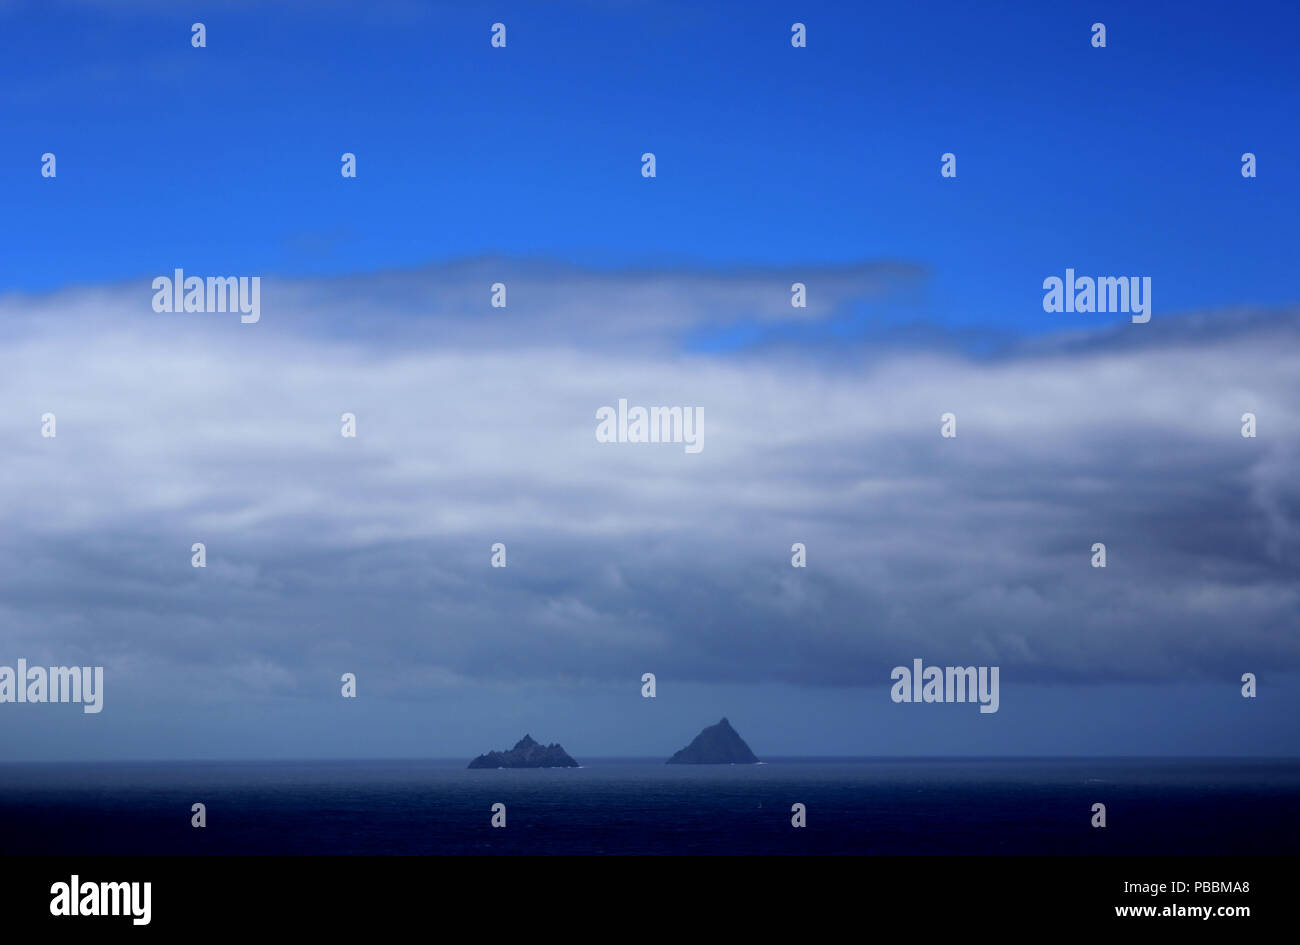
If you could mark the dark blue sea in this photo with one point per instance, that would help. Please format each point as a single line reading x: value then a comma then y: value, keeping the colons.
x: 868, y: 806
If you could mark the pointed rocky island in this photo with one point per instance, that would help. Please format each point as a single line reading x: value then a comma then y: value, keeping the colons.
x: 716, y: 745
x: 526, y: 754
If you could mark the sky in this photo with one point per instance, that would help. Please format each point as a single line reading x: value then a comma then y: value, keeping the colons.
x: 775, y: 165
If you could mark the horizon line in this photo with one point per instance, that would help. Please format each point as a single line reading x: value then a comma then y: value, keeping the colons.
x: 657, y: 758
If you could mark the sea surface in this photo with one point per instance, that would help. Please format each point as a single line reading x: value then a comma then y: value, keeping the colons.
x: 642, y: 806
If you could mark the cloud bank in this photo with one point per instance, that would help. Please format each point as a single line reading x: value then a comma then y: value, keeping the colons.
x: 476, y: 425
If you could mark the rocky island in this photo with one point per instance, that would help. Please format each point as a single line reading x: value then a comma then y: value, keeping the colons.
x: 526, y: 754
x: 716, y: 745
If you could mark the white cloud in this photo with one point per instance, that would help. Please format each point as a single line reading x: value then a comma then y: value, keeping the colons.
x: 477, y: 426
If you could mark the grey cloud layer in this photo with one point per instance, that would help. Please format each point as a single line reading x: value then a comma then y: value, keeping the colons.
x: 477, y: 425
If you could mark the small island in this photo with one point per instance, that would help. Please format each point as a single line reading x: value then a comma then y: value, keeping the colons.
x: 526, y: 754
x: 716, y: 745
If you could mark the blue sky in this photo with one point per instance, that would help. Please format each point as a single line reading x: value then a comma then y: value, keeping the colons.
x: 775, y: 165
x: 226, y: 158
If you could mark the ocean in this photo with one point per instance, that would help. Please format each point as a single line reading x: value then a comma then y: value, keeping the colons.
x: 644, y: 807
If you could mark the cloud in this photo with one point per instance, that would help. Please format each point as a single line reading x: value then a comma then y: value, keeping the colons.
x: 476, y: 425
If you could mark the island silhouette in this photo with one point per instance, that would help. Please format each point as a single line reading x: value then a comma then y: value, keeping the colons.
x: 716, y: 745
x: 526, y: 754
